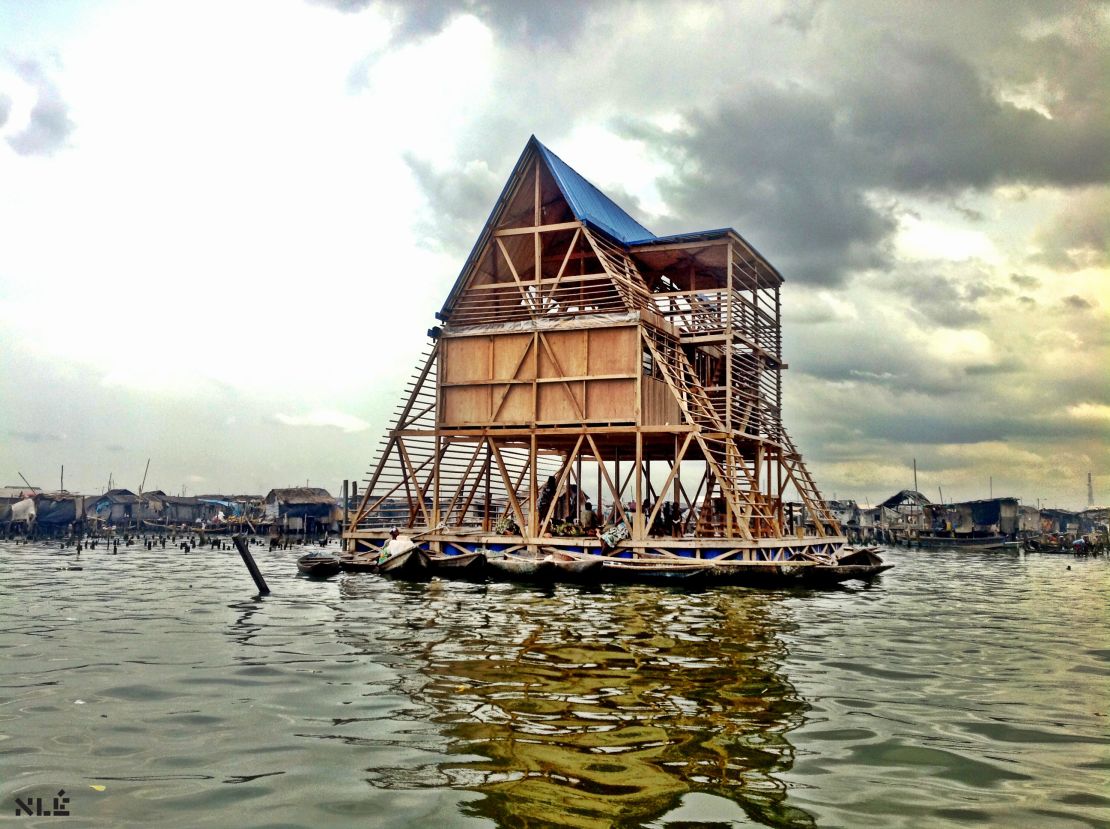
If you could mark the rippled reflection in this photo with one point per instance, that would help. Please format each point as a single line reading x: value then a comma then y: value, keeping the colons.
x: 597, y: 709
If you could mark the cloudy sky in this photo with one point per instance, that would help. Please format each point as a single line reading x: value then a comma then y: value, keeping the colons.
x: 225, y: 227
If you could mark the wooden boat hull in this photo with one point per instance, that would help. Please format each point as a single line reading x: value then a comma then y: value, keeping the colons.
x: 413, y: 563
x: 520, y: 568
x: 359, y: 565
x: 836, y: 573
x: 758, y: 574
x: 461, y: 566
x: 650, y: 571
x: 553, y: 566
x: 962, y: 543
x: 318, y: 567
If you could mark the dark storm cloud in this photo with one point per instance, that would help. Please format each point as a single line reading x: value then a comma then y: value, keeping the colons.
x: 772, y: 162
x: 944, y: 294
x: 49, y: 126
x: 535, y: 21
x: 1079, y: 236
x: 460, y: 199
x: 895, y: 111
x: 1077, y: 303
x: 1024, y: 281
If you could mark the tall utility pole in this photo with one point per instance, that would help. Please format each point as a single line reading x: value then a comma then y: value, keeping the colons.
x: 1090, y: 491
x: 915, y: 489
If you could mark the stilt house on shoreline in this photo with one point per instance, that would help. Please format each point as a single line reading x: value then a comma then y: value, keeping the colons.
x: 580, y: 357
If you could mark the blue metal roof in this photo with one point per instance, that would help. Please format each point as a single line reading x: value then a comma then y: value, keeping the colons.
x: 590, y: 204
x: 691, y: 236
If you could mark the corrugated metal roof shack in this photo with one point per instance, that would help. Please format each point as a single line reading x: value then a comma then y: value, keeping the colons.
x: 172, y: 509
x: 59, y: 509
x: 116, y: 506
x: 301, y: 509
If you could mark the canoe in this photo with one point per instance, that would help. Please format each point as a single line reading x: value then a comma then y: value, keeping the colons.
x: 412, y: 563
x: 549, y: 565
x: 836, y: 573
x: 459, y: 566
x: 850, y: 563
x: 575, y: 566
x: 520, y: 567
x: 859, y: 555
x: 318, y: 566
x: 359, y: 564
x: 756, y: 573
x: 657, y: 571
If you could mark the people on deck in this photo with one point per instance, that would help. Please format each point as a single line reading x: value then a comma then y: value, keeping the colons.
x: 588, y: 518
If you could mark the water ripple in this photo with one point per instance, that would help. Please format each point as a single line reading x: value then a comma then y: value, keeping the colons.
x: 959, y: 688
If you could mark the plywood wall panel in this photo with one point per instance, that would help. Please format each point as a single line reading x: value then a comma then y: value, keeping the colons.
x: 613, y: 350
x: 556, y: 402
x: 517, y: 404
x: 467, y: 359
x: 611, y: 400
x: 507, y: 352
x: 659, y: 405
x: 466, y: 404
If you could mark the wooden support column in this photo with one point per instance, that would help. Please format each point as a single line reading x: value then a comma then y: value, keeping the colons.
x: 486, y: 526
x: 617, y: 475
x: 533, y: 491
x: 435, y: 482
x: 638, y: 529
x: 728, y: 344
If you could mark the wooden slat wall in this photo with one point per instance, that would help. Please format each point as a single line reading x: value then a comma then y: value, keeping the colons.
x: 491, y: 379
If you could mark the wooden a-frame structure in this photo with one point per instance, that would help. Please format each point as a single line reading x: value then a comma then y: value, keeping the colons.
x: 579, y: 357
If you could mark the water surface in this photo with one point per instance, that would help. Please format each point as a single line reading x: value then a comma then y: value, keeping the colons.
x: 961, y: 688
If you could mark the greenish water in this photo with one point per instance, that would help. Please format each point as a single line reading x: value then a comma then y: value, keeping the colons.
x: 960, y: 689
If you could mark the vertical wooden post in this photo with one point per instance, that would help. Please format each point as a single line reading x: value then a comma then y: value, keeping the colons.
x: 597, y: 504
x: 638, y: 530
x: 578, y: 499
x: 616, y: 477
x: 435, y: 481
x: 489, y: 490
x: 728, y: 344
x: 533, y: 490
x: 252, y: 568
x: 677, y: 483
x: 346, y: 487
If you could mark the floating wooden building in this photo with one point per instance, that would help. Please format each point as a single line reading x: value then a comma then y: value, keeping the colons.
x: 581, y: 357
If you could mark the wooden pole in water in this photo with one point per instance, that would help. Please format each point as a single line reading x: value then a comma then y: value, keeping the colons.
x: 248, y: 559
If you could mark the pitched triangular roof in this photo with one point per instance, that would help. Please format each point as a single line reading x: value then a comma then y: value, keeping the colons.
x: 588, y: 204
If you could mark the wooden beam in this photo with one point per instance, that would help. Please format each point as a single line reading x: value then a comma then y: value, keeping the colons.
x: 539, y: 228
x: 415, y: 483
x: 608, y: 480
x: 674, y: 471
x: 560, y: 484
x: 509, y: 491
x: 562, y: 378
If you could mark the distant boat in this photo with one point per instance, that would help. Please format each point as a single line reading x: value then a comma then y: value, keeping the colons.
x: 318, y: 565
x: 967, y: 542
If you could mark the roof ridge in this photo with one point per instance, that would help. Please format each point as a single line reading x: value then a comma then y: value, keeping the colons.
x: 589, y: 203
